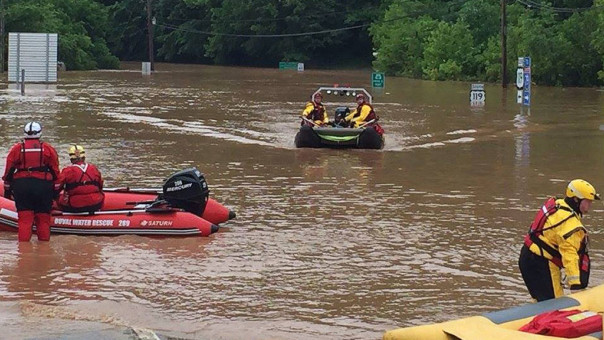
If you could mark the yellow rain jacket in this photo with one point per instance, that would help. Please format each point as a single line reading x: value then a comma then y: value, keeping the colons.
x: 359, y: 115
x: 567, y: 239
x: 316, y: 113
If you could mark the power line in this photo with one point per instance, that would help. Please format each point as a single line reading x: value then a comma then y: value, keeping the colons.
x: 174, y: 28
x: 538, y: 5
x: 317, y: 15
x: 347, y: 28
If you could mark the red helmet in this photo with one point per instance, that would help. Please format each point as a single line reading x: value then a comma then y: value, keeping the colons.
x: 359, y: 96
x: 317, y: 95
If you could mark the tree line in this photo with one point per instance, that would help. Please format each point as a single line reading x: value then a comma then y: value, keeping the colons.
x: 429, y: 39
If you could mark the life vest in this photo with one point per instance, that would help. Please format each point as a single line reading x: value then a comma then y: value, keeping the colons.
x: 318, y: 112
x: 32, y: 159
x: 85, y: 184
x: 536, y: 230
x: 83, y: 188
x: 565, y: 324
x: 371, y: 114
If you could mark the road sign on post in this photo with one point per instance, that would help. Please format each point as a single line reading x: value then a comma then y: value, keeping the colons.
x: 526, y: 92
x: 520, y: 80
x: 477, y: 95
x: 378, y: 79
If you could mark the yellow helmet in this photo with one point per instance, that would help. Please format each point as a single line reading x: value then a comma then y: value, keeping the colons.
x: 581, y: 189
x: 76, y: 151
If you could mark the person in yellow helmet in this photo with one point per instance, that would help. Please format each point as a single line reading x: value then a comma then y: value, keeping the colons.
x: 557, y: 239
x: 315, y: 111
x: 82, y: 183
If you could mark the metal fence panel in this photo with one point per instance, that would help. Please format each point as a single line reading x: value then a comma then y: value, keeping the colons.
x: 36, y: 53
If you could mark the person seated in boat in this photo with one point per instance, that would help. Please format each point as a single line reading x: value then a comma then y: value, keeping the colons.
x: 314, y: 112
x: 82, y: 184
x: 362, y: 115
x: 557, y: 239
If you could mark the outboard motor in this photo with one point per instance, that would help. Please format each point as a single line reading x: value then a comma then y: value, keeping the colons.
x: 341, y: 112
x: 188, y: 190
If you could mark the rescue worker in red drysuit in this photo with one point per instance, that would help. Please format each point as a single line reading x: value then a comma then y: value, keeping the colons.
x: 32, y: 177
x: 561, y: 243
x: 82, y: 184
x: 315, y: 112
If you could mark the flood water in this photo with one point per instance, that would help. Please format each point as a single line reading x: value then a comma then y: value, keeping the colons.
x: 327, y: 244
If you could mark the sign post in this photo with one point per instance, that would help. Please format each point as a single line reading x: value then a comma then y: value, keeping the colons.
x: 378, y: 80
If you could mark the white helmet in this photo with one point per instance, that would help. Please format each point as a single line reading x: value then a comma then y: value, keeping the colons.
x: 33, y: 130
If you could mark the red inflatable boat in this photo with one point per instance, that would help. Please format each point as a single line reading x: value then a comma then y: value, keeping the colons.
x: 127, y: 198
x: 182, y: 208
x: 151, y: 221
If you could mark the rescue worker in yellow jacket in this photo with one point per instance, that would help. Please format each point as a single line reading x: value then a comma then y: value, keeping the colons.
x: 315, y: 111
x: 557, y: 239
x: 362, y: 114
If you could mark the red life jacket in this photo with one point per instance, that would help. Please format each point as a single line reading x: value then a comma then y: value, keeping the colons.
x: 318, y: 113
x: 378, y: 128
x: 32, y: 161
x: 83, y: 186
x: 537, y: 228
x: 565, y: 324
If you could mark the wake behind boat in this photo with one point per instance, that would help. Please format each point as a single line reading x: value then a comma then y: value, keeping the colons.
x: 333, y: 135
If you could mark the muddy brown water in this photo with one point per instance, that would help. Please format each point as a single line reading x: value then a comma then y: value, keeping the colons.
x: 327, y: 244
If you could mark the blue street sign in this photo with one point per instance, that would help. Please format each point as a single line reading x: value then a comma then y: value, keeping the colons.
x: 526, y: 92
x: 527, y: 61
x: 527, y: 80
x: 526, y: 98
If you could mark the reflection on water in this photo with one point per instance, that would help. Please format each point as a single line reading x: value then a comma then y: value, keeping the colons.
x: 327, y: 243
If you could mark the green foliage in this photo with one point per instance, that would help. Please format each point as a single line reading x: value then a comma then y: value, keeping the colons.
x: 399, y: 41
x: 598, y: 38
x: 490, y: 59
x: 232, y: 20
x: 567, y: 49
x: 448, y: 52
x: 128, y: 35
x: 81, y: 25
x: 434, y: 39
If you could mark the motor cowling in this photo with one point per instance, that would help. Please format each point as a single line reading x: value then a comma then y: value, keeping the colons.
x: 188, y: 190
x: 340, y: 113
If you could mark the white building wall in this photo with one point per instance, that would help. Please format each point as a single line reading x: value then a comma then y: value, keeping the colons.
x: 36, y: 53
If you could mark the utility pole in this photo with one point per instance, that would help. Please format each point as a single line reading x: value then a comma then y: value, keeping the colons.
x: 504, y: 59
x: 150, y: 35
x: 1, y: 36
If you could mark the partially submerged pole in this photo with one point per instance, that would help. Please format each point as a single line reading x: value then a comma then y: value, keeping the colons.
x: 23, y: 82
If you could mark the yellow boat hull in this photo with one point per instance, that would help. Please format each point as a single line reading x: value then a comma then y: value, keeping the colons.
x: 504, y: 324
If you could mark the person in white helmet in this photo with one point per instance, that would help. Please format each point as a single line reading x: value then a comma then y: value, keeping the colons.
x: 32, y: 178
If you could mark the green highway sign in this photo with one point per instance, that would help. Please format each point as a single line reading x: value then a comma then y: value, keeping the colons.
x: 288, y: 65
x: 378, y: 79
